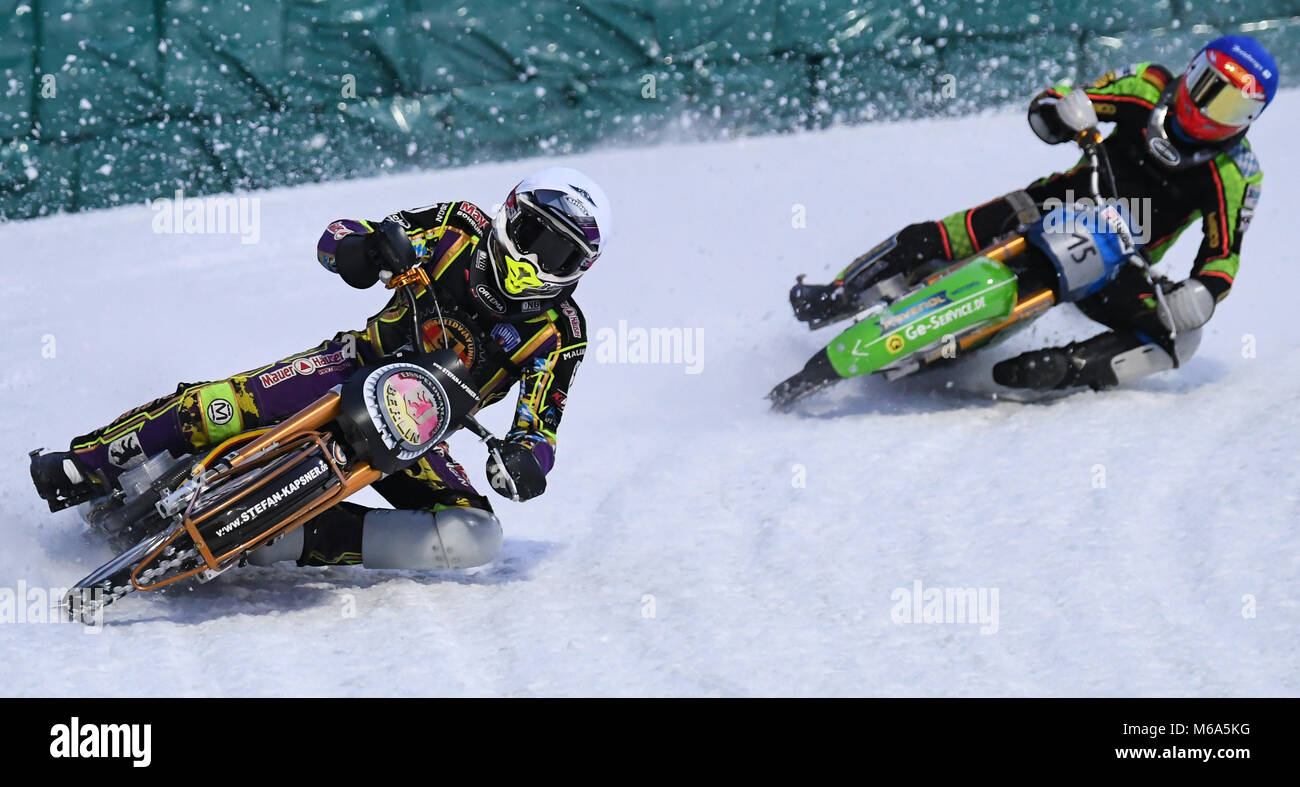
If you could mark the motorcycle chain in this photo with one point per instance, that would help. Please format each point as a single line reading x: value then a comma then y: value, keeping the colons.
x: 95, y: 599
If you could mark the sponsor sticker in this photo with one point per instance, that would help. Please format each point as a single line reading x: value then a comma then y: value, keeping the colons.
x: 471, y: 213
x: 413, y: 411
x: 506, y: 335
x: 1164, y: 150
x: 583, y: 192
x: 271, y: 501
x: 125, y: 450
x: 575, y: 321
x: 892, y: 320
x: 484, y: 294
x: 276, y: 376
x: 940, y: 320
x: 452, y: 334
x: 220, y: 412
x: 339, y: 229
x: 894, y: 344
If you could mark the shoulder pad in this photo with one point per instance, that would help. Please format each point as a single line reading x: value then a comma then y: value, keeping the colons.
x: 1244, y: 158
x: 1114, y: 76
x: 1156, y: 74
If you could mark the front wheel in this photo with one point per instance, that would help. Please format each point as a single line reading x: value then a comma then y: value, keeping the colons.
x: 816, y: 375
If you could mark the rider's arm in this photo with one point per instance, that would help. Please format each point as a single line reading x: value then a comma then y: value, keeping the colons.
x: 544, y: 386
x: 1233, y: 193
x: 347, y: 246
x: 1123, y: 96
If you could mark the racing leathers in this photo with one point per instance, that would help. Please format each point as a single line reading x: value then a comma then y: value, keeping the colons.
x: 1220, y: 193
x: 441, y: 521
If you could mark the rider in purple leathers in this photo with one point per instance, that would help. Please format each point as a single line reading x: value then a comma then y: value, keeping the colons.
x: 502, y: 298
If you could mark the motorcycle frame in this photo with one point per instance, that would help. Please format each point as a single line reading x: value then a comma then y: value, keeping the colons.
x: 301, y: 432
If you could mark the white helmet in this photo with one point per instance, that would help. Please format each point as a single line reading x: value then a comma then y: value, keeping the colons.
x: 549, y: 232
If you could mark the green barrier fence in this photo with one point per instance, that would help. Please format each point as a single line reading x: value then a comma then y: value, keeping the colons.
x: 105, y: 102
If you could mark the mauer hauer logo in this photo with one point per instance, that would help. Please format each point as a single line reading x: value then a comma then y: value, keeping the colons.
x: 309, y: 365
x: 575, y: 322
x: 92, y: 741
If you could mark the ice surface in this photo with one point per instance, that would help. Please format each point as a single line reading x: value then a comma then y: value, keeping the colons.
x: 674, y: 553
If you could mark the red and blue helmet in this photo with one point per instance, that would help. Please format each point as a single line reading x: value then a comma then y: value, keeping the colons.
x: 1225, y: 87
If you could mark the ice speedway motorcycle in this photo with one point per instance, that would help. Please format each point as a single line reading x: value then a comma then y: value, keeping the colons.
x: 193, y: 517
x: 942, y: 311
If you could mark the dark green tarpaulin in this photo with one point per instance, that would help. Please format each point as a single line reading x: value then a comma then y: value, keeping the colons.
x: 105, y: 102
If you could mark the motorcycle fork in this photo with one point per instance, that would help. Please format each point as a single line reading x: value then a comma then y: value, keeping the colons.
x: 1026, y: 307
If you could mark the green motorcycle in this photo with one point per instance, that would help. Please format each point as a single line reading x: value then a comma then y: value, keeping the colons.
x: 943, y: 311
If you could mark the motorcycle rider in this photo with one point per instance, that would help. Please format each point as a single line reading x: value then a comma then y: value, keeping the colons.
x: 502, y: 298
x: 1191, y: 163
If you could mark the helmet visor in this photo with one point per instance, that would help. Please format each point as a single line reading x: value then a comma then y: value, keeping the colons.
x: 559, y: 251
x: 1223, y: 90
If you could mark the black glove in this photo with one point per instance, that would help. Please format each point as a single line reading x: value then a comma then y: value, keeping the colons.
x: 519, y: 465
x: 1044, y: 120
x: 360, y: 258
x: 1056, y: 120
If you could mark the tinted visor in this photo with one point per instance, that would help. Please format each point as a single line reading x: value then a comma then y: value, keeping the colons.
x: 557, y: 253
x: 1224, y: 92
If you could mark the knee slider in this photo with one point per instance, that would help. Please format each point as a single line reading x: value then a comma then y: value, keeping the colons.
x: 1186, y: 344
x: 1148, y: 359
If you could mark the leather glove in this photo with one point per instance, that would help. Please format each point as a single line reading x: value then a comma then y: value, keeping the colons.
x: 1056, y: 120
x: 517, y: 465
x: 361, y: 257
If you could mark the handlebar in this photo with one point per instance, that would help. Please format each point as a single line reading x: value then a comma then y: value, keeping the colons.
x: 1089, y: 140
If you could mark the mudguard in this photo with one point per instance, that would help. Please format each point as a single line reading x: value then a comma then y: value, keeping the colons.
x: 979, y: 291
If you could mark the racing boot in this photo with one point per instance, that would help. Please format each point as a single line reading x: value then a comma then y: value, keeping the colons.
x: 1103, y: 361
x: 62, y: 481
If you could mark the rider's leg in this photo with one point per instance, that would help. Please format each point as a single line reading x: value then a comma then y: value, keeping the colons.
x: 909, y: 247
x: 1138, y: 345
x: 439, y: 523
x: 954, y: 237
x: 195, y: 416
